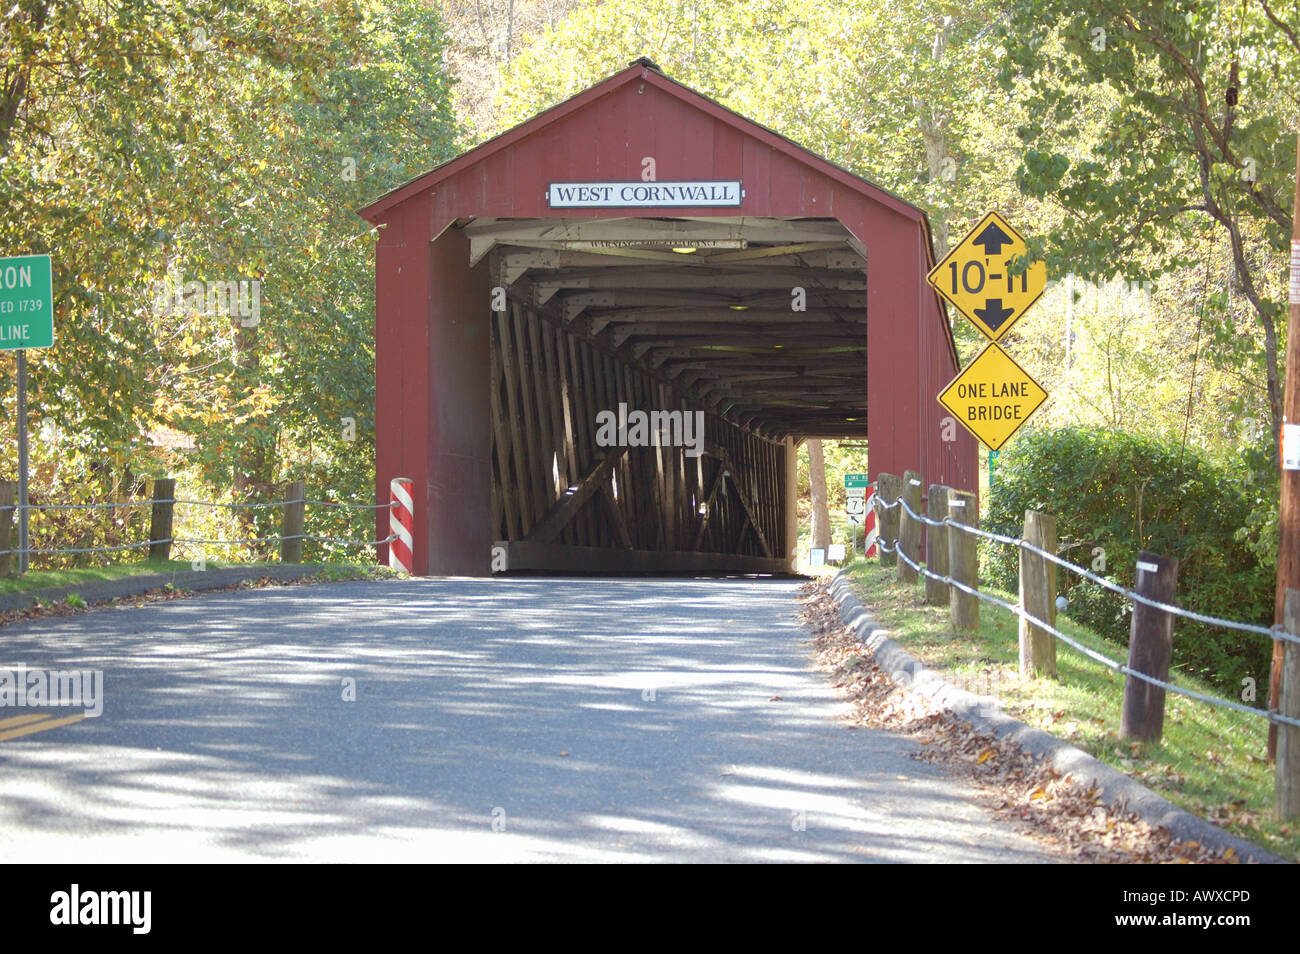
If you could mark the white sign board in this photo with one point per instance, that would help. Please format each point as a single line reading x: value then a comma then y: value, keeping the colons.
x: 1291, y: 446
x: 856, y: 508
x: 607, y: 195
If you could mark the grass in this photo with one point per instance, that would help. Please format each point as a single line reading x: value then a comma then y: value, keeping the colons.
x: 1210, y: 761
x: 39, y: 579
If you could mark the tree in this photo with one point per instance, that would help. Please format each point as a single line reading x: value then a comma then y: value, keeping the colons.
x: 1199, y: 119
x: 821, y: 518
x: 212, y: 141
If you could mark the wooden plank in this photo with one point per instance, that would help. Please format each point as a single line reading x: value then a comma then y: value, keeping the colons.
x: 577, y: 423
x: 1150, y: 648
x: 963, y: 561
x: 538, y: 478
x: 510, y: 372
x: 607, y: 400
x: 909, y: 528
x: 543, y: 392
x: 670, y: 456
x: 936, y: 546
x: 637, y: 486
x: 529, y: 555
x: 749, y: 515
x: 1038, y: 597
x: 614, y: 514
x: 550, y: 390
x: 888, y: 489
x: 502, y: 522
x: 564, y: 509
x: 1286, y: 780
x: 589, y: 402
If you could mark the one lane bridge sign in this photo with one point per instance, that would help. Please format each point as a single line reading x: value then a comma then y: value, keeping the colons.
x: 976, y: 277
x: 993, y: 397
x: 26, y: 302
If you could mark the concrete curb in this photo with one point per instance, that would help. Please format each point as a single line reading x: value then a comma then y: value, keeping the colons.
x: 101, y: 591
x: 1116, y: 787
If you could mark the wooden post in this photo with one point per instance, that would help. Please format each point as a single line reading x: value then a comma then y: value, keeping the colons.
x: 888, y: 489
x: 1038, y: 596
x: 8, y: 494
x: 909, y: 529
x: 936, y: 545
x: 963, y: 561
x: 291, y: 526
x: 160, y: 519
x: 1150, y: 645
x: 1286, y: 782
x: 1288, y: 523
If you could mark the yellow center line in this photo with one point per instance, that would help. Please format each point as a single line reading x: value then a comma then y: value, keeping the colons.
x: 40, y: 726
x: 23, y: 720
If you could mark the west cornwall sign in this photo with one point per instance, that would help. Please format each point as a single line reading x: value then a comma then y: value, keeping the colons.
x: 607, y: 195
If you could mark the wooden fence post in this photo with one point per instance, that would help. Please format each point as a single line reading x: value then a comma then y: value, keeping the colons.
x: 292, y: 524
x: 1038, y: 596
x: 963, y: 561
x: 8, y: 496
x: 1150, y: 645
x: 936, y: 545
x: 160, y: 520
x: 909, y: 529
x: 1286, y: 780
x: 888, y: 489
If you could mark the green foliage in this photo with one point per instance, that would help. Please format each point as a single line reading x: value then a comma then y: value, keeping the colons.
x: 1115, y: 494
x: 208, y: 141
x: 1197, y: 127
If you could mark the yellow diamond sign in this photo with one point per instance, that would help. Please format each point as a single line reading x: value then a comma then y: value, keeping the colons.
x: 976, y: 277
x: 993, y: 397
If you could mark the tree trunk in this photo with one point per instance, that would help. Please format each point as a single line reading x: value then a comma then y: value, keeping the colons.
x: 821, y: 517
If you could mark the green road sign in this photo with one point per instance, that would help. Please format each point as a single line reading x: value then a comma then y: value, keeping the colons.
x: 26, y: 302
x: 856, y: 480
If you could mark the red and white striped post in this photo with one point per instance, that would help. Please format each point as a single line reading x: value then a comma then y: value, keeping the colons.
x: 401, y: 523
x: 869, y: 533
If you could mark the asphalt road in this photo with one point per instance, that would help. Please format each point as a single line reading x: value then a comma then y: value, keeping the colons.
x: 524, y: 720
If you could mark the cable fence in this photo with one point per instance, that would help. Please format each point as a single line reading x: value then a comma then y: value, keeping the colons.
x: 61, y: 542
x: 950, y: 543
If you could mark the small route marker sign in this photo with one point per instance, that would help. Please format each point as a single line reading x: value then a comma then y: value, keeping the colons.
x: 993, y: 397
x: 26, y: 302
x: 856, y: 509
x: 976, y: 277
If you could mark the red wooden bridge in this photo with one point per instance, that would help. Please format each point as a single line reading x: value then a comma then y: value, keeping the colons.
x: 641, y: 248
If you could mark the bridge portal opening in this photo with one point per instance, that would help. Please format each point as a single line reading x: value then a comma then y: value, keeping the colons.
x: 651, y: 377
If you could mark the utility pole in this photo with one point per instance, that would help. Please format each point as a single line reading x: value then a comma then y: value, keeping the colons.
x: 1288, y: 544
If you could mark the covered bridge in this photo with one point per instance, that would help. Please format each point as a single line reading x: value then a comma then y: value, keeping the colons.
x: 640, y: 248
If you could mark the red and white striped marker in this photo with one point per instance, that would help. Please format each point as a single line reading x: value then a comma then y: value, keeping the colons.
x: 401, y: 523
x: 869, y: 525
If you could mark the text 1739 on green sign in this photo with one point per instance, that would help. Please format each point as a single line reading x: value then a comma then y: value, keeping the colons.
x: 26, y: 302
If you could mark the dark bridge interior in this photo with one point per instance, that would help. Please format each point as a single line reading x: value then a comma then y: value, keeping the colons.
x: 758, y: 323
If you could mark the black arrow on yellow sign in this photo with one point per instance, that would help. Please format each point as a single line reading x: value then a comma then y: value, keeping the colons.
x: 993, y: 314
x: 992, y: 238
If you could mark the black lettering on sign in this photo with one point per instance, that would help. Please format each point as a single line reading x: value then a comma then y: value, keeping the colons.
x: 993, y: 412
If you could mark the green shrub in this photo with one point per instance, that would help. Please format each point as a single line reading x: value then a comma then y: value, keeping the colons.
x: 1117, y: 493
